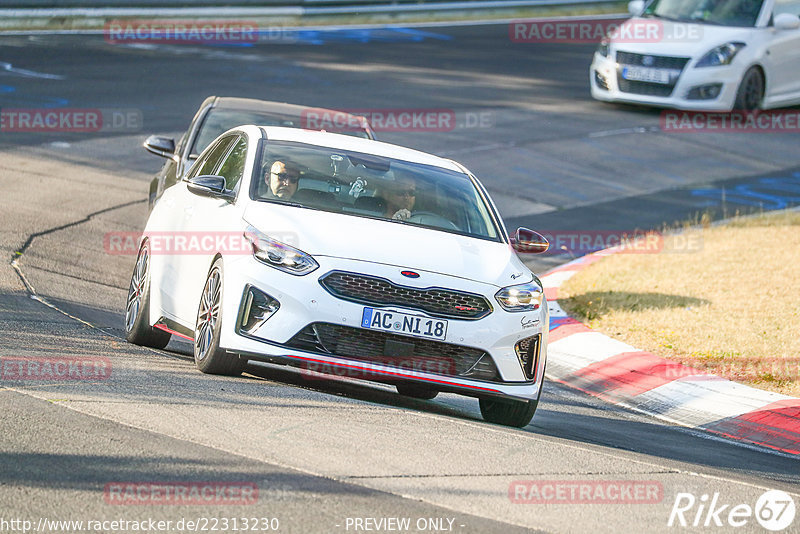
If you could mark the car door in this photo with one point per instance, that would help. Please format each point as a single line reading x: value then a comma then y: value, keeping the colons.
x: 783, y: 56
x: 212, y: 223
x: 180, y: 205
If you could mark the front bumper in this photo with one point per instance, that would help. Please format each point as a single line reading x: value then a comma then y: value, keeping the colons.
x: 304, y: 301
x: 606, y: 71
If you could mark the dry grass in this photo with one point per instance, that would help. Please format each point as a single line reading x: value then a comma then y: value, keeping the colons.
x: 731, y: 308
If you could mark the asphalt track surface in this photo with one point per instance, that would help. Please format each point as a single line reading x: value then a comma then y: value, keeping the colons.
x: 323, y: 451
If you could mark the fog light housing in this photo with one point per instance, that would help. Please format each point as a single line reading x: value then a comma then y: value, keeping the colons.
x: 528, y: 354
x: 257, y: 307
x: 600, y: 81
x: 705, y: 92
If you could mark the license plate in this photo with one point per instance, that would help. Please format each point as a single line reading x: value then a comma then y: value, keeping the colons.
x: 643, y: 74
x: 404, y: 323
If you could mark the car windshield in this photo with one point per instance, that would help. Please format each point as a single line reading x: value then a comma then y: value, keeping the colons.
x: 363, y: 185
x: 219, y: 121
x: 720, y: 12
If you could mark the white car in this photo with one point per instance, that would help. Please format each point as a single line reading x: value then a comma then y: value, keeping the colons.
x: 347, y: 256
x: 709, y: 55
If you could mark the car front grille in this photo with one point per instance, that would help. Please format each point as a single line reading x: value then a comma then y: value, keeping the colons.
x: 656, y: 62
x: 376, y: 291
x: 402, y: 352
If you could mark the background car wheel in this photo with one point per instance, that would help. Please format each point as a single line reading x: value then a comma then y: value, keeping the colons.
x: 418, y: 392
x: 508, y: 412
x: 751, y: 91
x: 137, y: 308
x: 208, y: 357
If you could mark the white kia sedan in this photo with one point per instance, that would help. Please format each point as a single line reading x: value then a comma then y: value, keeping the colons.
x: 346, y: 256
x: 709, y: 55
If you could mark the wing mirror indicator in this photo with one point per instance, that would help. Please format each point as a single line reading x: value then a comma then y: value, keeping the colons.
x: 526, y: 241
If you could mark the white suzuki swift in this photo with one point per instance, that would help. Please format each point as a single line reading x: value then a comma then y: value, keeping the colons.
x: 347, y: 256
x: 710, y: 55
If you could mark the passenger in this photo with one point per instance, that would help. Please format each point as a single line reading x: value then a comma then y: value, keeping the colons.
x: 281, y: 180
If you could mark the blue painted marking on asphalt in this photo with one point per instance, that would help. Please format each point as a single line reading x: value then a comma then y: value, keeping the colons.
x: 559, y: 321
x: 353, y: 35
x: 767, y: 193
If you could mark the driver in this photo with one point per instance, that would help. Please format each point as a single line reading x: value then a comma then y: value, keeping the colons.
x: 400, y: 198
x: 281, y: 180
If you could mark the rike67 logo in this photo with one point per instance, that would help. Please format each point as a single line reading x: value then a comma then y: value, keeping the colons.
x: 774, y: 510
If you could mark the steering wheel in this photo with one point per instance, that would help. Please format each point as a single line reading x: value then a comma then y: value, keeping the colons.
x: 429, y: 218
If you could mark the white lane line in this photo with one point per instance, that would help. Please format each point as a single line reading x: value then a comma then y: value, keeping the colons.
x: 8, y: 67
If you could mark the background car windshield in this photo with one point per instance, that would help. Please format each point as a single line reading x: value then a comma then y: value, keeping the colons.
x: 722, y: 12
x: 219, y: 121
x: 363, y: 185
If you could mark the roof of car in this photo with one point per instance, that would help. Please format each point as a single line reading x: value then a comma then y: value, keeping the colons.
x: 252, y: 104
x: 357, y: 144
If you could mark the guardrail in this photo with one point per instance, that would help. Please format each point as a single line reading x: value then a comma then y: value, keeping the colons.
x: 56, y: 8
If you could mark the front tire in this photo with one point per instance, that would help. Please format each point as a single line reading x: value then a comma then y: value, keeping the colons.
x: 137, y: 309
x: 750, y: 95
x: 208, y: 356
x: 508, y: 412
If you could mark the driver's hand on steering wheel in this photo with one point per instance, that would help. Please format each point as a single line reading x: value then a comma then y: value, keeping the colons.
x: 401, y: 215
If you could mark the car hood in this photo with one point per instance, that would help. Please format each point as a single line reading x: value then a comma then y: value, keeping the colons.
x: 322, y: 233
x: 681, y: 39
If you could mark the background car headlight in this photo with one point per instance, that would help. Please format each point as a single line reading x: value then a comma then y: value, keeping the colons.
x: 603, y: 48
x: 721, y: 55
x: 522, y: 297
x: 279, y: 255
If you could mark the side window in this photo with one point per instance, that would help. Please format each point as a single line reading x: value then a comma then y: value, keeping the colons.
x: 233, y: 167
x: 210, y: 160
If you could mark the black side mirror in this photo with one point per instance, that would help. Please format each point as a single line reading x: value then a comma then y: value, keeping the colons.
x: 160, y: 146
x: 210, y: 186
x: 526, y: 241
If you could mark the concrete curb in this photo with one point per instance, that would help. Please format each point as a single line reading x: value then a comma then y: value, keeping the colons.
x: 626, y: 376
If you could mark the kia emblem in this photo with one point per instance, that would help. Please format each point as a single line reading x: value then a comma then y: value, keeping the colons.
x: 409, y: 274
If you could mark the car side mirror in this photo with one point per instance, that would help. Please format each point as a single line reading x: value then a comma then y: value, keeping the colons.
x: 526, y: 241
x: 636, y: 7
x: 209, y: 185
x: 160, y: 146
x: 787, y: 21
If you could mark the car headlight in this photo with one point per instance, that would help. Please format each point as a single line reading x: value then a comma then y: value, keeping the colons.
x: 603, y: 48
x: 721, y: 55
x: 522, y: 297
x: 279, y: 255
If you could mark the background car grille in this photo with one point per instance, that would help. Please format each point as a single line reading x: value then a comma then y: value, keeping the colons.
x: 380, y: 292
x: 403, y: 352
x: 648, y: 88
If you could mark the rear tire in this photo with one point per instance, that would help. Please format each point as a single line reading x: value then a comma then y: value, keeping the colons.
x: 208, y: 356
x: 137, y: 308
x: 415, y: 391
x: 750, y: 95
x: 508, y: 412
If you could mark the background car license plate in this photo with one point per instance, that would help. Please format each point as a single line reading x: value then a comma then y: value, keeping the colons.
x: 642, y: 74
x: 404, y: 323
